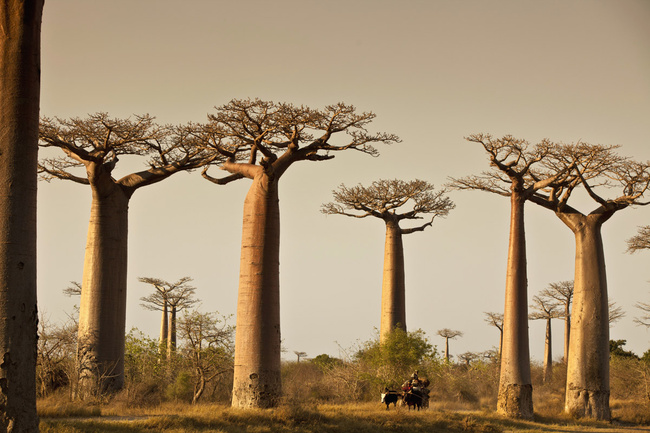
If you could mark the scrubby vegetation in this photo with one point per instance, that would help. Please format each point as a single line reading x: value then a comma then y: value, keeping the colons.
x: 332, y: 394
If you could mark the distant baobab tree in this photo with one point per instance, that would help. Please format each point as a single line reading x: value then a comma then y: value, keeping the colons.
x: 545, y: 308
x: 496, y: 320
x: 562, y: 292
x: 517, y: 173
x: 643, y: 320
x: 92, y: 147
x: 597, y: 168
x: 381, y: 200
x: 20, y: 72
x: 616, y: 312
x: 641, y: 241
x: 169, y: 298
x: 299, y: 354
x: 448, y: 334
x: 260, y: 141
x: 468, y: 357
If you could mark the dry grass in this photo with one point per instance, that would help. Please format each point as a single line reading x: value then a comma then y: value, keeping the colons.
x: 325, y: 418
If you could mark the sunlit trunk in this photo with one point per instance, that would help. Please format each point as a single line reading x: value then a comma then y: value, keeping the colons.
x: 171, y: 332
x: 102, y: 311
x: 20, y: 22
x: 515, y: 387
x: 257, y: 381
x: 447, y: 349
x: 393, y: 305
x: 567, y: 332
x: 548, y: 354
x: 162, y: 343
x: 587, y: 389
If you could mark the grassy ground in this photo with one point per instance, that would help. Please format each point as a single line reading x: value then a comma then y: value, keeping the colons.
x: 62, y: 417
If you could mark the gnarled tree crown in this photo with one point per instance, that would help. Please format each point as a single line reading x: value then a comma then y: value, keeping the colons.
x: 383, y: 198
x: 96, y: 143
x: 517, y: 166
x: 257, y: 135
x: 179, y: 294
x: 641, y: 241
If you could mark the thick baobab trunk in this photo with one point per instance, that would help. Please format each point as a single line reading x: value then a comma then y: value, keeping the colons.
x: 587, y: 388
x: 548, y: 354
x: 515, y: 387
x: 102, y: 313
x: 19, y: 105
x: 162, y: 343
x: 393, y: 304
x: 171, y: 332
x: 257, y: 381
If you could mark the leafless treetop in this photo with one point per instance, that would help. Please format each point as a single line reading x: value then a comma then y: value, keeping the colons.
x: 516, y: 166
x: 96, y: 143
x: 253, y: 133
x: 449, y: 333
x: 384, y: 197
x: 179, y: 294
x: 494, y: 319
x: 544, y: 308
x: 641, y: 241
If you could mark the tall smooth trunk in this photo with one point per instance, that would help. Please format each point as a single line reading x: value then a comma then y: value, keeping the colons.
x: 393, y: 303
x: 162, y: 343
x: 548, y: 354
x: 447, y: 349
x: 171, y: 332
x: 102, y: 313
x: 19, y: 110
x: 567, y: 332
x: 515, y: 388
x: 257, y: 381
x: 587, y: 388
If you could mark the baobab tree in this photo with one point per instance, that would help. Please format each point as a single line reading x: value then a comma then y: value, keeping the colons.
x: 615, y: 312
x: 496, y: 320
x: 644, y: 320
x: 20, y: 68
x: 382, y: 200
x: 260, y: 141
x: 640, y: 241
x: 169, y: 298
x: 448, y: 334
x: 562, y: 292
x: 545, y: 308
x: 93, y: 145
x: 517, y: 173
x: 597, y: 167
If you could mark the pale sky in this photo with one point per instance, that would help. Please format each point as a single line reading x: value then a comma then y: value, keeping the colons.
x: 432, y: 71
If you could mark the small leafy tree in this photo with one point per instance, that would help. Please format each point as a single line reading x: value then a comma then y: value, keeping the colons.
x: 209, y: 347
x: 391, y: 361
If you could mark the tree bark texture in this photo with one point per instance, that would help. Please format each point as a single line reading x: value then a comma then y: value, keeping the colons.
x: 162, y: 343
x: 587, y: 389
x: 171, y: 332
x: 567, y: 332
x: 548, y: 354
x: 447, y: 349
x: 515, y: 388
x: 257, y: 381
x: 102, y: 312
x: 20, y: 35
x: 393, y: 303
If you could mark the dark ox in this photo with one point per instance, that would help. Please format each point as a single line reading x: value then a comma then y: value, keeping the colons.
x: 414, y: 398
x: 388, y: 397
